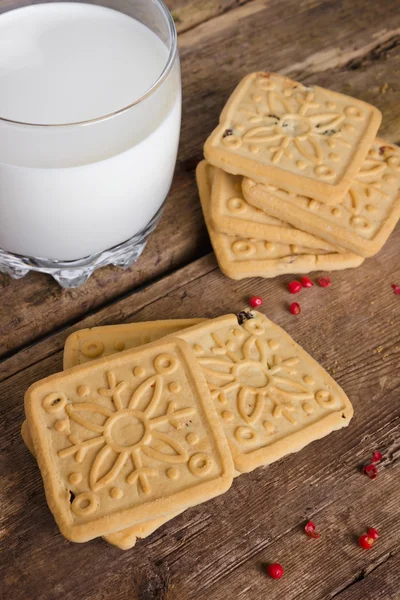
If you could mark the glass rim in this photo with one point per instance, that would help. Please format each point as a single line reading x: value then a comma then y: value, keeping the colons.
x: 162, y: 77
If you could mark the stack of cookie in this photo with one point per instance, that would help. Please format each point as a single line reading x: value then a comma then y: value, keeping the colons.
x: 295, y: 180
x: 130, y: 435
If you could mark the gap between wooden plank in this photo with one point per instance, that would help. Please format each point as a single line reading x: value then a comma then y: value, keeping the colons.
x: 43, y: 308
x: 35, y: 307
x: 305, y: 482
x: 347, y: 58
x: 381, y: 581
x: 142, y: 305
x: 54, y: 341
x: 339, y: 530
x: 377, y: 565
x: 219, y: 24
x: 188, y: 14
x: 288, y: 547
x: 354, y: 481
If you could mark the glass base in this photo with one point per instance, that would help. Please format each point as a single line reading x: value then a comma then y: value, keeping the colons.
x: 74, y: 273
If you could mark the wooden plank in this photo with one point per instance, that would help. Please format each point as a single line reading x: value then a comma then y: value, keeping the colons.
x: 383, y: 583
x: 123, y: 311
x: 34, y: 305
x: 214, y: 56
x: 314, y: 569
x: 266, y: 528
x: 172, y: 297
x: 189, y: 13
x: 341, y: 37
x: 214, y: 551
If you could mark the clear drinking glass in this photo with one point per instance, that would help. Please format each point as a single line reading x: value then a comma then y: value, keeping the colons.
x: 85, y: 193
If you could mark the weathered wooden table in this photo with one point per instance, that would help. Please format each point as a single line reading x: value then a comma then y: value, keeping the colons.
x: 217, y: 550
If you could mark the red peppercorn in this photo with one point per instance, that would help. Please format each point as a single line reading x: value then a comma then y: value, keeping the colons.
x: 310, y: 530
x: 376, y: 457
x: 370, y: 471
x: 275, y: 571
x: 294, y: 287
x: 365, y: 541
x: 255, y: 301
x: 372, y: 533
x: 396, y: 289
x: 306, y: 282
x: 324, y: 281
x: 295, y: 308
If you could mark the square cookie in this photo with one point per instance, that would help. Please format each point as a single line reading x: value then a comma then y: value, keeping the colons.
x: 304, y: 139
x: 271, y: 396
x: 90, y: 344
x: 126, y: 538
x: 86, y: 345
x: 239, y: 258
x: 128, y: 438
x: 362, y: 222
x: 231, y: 214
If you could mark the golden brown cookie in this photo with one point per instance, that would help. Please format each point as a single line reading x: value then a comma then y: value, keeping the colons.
x: 304, y: 139
x: 127, y: 438
x: 108, y: 340
x: 243, y: 257
x: 271, y: 396
x: 362, y: 222
x: 125, y: 539
x: 86, y: 345
x: 231, y: 214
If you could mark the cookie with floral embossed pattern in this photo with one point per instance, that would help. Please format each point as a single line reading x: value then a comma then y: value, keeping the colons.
x: 243, y: 257
x: 304, y: 139
x: 231, y: 214
x: 86, y: 345
x: 89, y: 344
x: 127, y: 438
x: 271, y: 396
x: 362, y: 222
x: 125, y: 539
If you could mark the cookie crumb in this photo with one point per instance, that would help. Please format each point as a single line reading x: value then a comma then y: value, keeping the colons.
x: 244, y: 316
x: 384, y: 88
x: 227, y: 132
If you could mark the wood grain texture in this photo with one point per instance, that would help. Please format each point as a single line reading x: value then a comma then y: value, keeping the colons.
x: 353, y: 329
x: 348, y: 45
x: 189, y: 13
x: 35, y: 305
x: 383, y: 583
x: 125, y: 310
x: 217, y: 551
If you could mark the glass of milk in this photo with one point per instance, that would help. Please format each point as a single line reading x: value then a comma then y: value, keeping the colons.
x: 90, y: 109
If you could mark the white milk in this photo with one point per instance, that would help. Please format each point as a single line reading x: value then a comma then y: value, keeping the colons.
x: 70, y: 191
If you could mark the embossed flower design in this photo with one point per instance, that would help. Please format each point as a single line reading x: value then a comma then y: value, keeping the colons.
x: 251, y: 371
x: 371, y: 190
x: 291, y: 119
x: 127, y: 430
